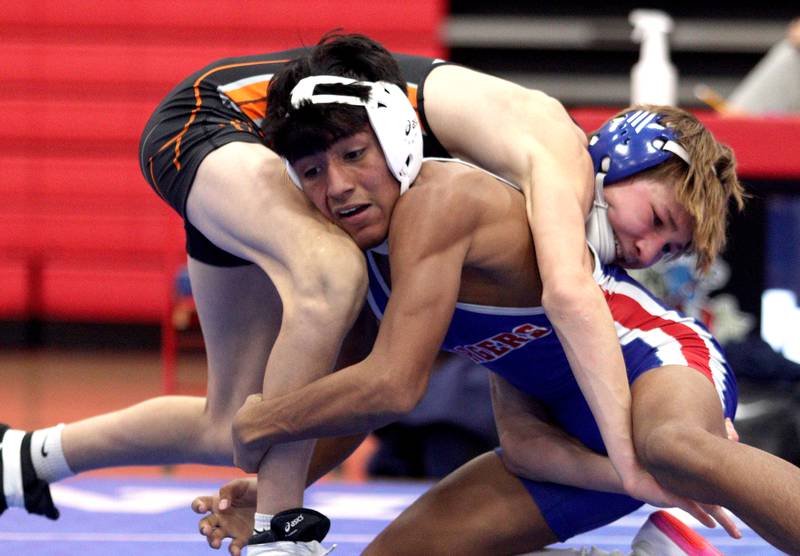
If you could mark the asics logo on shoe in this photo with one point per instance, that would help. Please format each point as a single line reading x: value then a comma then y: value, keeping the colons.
x: 291, y: 524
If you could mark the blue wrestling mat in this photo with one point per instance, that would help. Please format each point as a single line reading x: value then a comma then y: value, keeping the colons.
x: 133, y: 517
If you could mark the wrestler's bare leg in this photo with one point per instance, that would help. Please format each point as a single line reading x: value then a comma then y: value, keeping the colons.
x: 679, y: 437
x: 319, y: 278
x: 240, y: 313
x: 318, y: 273
x: 478, y: 509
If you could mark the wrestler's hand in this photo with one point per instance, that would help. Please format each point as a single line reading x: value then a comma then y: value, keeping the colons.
x: 247, y: 452
x: 730, y: 430
x: 228, y: 514
x: 793, y: 33
x: 644, y: 487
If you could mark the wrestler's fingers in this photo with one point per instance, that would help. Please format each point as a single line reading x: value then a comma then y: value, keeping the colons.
x: 230, y: 493
x: 217, y: 536
x: 236, y: 547
x: 207, y: 525
x: 725, y: 519
x: 202, y: 504
x: 730, y: 430
x: 697, y: 512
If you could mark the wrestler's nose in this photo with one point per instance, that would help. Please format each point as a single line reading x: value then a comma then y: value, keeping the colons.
x: 340, y: 182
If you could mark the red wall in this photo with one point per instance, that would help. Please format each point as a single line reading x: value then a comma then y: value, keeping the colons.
x: 82, y: 237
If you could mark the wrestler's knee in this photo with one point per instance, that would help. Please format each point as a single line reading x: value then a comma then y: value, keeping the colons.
x: 331, y: 279
x: 675, y: 447
x: 214, y: 437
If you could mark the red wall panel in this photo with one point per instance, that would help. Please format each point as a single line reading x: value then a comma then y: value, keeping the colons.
x: 82, y: 236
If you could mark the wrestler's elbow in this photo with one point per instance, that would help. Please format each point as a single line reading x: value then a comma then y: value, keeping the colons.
x: 516, y: 453
x: 567, y: 296
x: 399, y: 391
x: 511, y: 457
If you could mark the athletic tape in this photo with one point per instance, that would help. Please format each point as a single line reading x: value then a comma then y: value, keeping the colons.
x: 12, y: 471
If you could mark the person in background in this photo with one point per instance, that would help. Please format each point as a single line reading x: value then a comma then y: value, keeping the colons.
x: 772, y: 87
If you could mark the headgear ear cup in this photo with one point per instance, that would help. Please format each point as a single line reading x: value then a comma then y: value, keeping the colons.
x: 391, y: 117
x: 395, y: 124
x: 631, y: 143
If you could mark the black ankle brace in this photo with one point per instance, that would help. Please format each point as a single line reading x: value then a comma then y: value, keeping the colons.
x: 300, y: 525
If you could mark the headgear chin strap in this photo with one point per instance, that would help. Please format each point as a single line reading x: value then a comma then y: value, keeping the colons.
x: 625, y: 146
x: 390, y: 114
x: 599, y: 232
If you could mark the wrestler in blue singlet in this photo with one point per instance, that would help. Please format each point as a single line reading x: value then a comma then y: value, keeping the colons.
x: 520, y: 345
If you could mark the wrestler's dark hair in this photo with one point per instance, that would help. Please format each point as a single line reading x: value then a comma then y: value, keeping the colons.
x: 294, y: 133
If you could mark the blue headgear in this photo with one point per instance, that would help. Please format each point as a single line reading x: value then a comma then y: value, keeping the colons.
x: 631, y: 143
x: 621, y: 148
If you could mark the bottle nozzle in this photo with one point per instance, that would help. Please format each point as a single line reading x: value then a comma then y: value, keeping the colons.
x: 649, y: 21
x: 653, y: 78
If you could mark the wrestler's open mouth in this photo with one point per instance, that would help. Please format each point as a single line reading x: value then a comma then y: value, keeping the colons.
x: 351, y: 211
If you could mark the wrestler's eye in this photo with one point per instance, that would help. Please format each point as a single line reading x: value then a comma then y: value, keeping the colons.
x: 657, y: 222
x: 311, y: 173
x: 354, y: 154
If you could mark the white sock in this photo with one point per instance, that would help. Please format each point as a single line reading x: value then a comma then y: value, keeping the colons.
x: 48, y: 456
x: 262, y: 522
x: 12, y: 468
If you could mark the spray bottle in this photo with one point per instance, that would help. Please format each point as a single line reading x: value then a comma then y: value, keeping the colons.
x: 654, y: 80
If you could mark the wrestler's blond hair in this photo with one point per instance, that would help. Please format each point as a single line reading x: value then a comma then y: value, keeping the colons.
x: 705, y: 187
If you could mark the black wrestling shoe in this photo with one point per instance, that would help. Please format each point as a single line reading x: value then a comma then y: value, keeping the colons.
x: 298, y: 525
x: 16, y: 471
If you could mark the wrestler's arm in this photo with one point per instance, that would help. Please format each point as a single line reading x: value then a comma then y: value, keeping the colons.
x: 528, y: 137
x: 537, y: 450
x: 328, y: 452
x: 428, y: 247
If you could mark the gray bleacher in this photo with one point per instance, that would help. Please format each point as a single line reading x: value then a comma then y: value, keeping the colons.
x: 583, y: 54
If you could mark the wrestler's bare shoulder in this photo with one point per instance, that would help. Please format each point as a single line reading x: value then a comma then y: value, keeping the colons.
x: 458, y: 181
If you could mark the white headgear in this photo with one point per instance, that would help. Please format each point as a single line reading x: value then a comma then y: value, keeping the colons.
x: 390, y: 114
